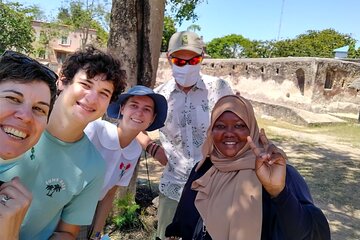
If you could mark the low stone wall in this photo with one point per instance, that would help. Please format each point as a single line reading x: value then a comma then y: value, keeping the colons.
x: 313, y: 84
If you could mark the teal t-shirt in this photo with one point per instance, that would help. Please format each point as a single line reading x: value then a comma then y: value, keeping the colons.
x: 23, y: 167
x: 67, y: 186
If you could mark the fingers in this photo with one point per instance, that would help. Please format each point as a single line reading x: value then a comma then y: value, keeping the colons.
x: 253, y: 147
x: 16, y: 186
x: 18, y: 197
x: 264, y: 140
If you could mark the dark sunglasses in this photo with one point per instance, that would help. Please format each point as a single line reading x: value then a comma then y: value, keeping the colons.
x: 19, y: 57
x: 182, y: 62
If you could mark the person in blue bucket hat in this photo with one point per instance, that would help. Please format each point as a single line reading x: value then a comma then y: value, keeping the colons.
x: 137, y: 110
x: 139, y: 90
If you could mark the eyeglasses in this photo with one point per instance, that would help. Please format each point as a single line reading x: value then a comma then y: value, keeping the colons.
x: 19, y: 57
x: 182, y: 62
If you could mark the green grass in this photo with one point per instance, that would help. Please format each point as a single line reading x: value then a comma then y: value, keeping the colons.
x: 347, y: 133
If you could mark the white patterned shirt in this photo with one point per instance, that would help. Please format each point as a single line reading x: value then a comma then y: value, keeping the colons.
x: 185, y: 128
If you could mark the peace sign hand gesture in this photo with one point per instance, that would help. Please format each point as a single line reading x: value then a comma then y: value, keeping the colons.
x: 270, y: 165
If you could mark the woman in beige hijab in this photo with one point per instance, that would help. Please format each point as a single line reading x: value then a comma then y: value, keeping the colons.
x: 243, y: 188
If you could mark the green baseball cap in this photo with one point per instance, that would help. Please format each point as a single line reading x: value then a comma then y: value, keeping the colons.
x: 185, y: 40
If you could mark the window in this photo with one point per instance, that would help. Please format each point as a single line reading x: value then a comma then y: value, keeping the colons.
x: 329, y: 80
x: 60, y: 56
x: 64, y: 40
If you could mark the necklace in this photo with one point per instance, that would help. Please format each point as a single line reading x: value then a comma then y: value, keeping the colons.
x: 32, y: 155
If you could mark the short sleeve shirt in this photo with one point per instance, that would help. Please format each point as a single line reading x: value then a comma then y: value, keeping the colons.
x: 185, y: 128
x: 22, y: 166
x: 67, y: 186
x: 120, y: 162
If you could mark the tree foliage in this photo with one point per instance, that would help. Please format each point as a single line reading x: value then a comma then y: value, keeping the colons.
x: 16, y: 31
x: 194, y: 28
x: 312, y: 44
x: 176, y: 12
x: 168, y: 31
x: 85, y: 15
x: 181, y: 10
x: 230, y: 46
x: 48, y: 32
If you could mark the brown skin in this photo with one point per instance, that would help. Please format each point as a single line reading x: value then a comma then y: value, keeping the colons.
x: 270, y: 165
x: 229, y: 134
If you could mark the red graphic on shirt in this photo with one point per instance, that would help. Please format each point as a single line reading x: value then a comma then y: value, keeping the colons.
x: 123, y: 169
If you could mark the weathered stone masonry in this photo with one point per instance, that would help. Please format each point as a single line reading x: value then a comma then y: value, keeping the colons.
x: 314, y: 84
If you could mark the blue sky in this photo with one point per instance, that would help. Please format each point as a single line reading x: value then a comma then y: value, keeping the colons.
x: 260, y: 19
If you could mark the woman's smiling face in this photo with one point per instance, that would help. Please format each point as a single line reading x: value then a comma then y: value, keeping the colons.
x: 229, y: 134
x: 24, y: 110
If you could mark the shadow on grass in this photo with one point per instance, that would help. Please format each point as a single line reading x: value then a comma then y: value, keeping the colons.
x: 333, y: 178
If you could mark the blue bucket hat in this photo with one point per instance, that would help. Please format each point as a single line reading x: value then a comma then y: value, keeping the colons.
x: 160, y: 105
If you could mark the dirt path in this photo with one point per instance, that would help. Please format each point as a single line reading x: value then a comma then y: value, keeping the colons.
x: 331, y: 169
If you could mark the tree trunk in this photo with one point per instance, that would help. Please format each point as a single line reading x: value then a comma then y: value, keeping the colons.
x: 135, y: 37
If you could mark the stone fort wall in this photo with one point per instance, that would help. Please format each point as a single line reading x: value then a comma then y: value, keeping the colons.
x: 314, y: 84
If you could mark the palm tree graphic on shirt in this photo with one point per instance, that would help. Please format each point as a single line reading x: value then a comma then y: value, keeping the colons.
x: 51, y: 188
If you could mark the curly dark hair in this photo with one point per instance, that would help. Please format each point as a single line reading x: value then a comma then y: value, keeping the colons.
x: 19, y: 68
x: 94, y: 61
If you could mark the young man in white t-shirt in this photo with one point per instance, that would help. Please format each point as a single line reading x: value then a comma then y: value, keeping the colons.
x: 140, y: 109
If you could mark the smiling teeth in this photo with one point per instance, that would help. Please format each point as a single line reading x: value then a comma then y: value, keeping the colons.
x: 14, y: 133
x: 136, y: 120
x: 229, y: 143
x: 87, y: 108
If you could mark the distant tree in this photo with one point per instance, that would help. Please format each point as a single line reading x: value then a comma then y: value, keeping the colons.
x: 168, y: 30
x: 259, y: 49
x: 194, y: 28
x: 312, y: 44
x: 48, y: 32
x: 176, y: 12
x: 181, y: 10
x: 353, y: 52
x: 15, y: 23
x: 230, y: 46
x: 85, y: 15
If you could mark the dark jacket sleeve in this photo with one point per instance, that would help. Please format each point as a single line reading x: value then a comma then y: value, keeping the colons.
x: 186, y: 215
x: 298, y: 217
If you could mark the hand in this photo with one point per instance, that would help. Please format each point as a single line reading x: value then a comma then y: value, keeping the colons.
x: 270, y: 165
x: 161, y: 156
x: 13, y: 210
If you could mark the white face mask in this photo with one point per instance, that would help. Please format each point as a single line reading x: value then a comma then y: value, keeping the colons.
x: 187, y: 75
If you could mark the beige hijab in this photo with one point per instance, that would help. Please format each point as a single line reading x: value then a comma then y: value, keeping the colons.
x: 229, y: 197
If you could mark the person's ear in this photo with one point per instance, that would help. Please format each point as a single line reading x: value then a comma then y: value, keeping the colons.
x: 121, y: 110
x: 60, y: 85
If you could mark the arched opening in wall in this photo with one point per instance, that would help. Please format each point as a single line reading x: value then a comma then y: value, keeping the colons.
x: 233, y: 67
x: 212, y: 65
x: 277, y: 71
x: 300, y: 75
x: 329, y: 80
x: 246, y: 67
x: 262, y: 69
